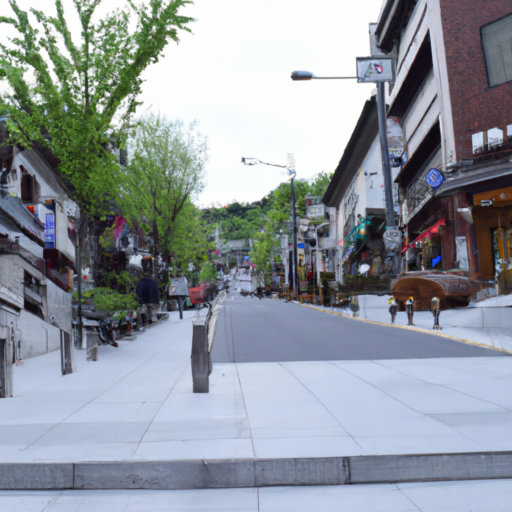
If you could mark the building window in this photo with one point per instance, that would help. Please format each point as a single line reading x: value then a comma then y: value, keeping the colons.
x: 497, y: 41
x: 27, y: 187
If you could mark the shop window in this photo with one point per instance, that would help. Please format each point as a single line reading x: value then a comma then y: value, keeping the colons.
x: 497, y: 41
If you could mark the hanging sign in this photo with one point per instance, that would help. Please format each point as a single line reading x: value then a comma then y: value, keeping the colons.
x: 50, y: 230
x: 434, y: 178
x: 375, y: 69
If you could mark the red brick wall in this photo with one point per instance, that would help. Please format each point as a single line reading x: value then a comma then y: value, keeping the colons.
x: 476, y: 107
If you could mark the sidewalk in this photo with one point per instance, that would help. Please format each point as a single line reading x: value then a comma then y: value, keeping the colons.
x: 136, y: 404
x: 476, y: 496
x: 487, y: 324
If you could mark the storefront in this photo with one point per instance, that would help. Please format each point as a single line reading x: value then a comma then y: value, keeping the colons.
x: 492, y: 218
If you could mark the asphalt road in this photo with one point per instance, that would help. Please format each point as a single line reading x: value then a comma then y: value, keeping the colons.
x: 251, y: 330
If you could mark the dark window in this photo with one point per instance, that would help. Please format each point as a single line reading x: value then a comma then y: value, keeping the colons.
x: 497, y: 41
x: 27, y: 188
x: 33, y: 308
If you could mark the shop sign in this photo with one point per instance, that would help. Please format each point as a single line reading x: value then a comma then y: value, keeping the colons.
x: 434, y: 178
x: 49, y: 236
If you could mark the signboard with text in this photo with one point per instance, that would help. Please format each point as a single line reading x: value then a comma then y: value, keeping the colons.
x: 49, y: 232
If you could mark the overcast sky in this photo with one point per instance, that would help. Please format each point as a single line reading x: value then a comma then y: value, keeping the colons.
x: 232, y: 75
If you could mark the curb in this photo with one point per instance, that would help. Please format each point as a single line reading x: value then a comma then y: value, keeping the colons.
x: 417, y: 329
x: 236, y: 473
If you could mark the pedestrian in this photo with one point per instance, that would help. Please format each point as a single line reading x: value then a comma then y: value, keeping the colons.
x: 147, y: 293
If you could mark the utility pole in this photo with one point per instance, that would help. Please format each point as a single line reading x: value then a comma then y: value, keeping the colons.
x: 384, y: 149
x: 291, y: 167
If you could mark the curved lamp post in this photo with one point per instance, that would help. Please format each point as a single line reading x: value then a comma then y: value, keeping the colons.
x: 298, y: 76
x: 292, y: 173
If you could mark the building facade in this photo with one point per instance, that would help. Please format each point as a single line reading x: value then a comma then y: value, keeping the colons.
x: 37, y: 253
x: 452, y: 99
x: 356, y: 192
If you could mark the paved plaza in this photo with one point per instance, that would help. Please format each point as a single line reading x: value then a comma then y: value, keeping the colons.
x: 136, y: 403
x: 475, y: 496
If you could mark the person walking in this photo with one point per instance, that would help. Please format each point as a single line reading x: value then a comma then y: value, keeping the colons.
x: 147, y: 293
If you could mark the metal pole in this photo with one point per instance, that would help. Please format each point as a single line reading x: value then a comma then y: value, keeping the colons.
x: 384, y: 149
x: 79, y: 257
x: 294, y: 241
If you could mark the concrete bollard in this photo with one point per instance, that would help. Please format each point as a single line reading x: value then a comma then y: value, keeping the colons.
x: 354, y: 306
x: 436, y: 311
x: 201, y: 359
x: 393, y: 309
x: 93, y: 339
x: 67, y: 360
x: 6, y: 356
x: 410, y: 310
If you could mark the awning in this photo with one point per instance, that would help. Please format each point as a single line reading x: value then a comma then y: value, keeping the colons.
x: 434, y: 230
x: 13, y: 208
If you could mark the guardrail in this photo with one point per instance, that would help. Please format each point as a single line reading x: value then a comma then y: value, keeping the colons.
x: 203, y: 335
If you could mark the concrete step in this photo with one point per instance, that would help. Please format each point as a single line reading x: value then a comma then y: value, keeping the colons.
x: 236, y: 473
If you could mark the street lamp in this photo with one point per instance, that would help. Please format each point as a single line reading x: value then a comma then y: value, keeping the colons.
x: 383, y: 132
x: 298, y: 76
x: 290, y: 168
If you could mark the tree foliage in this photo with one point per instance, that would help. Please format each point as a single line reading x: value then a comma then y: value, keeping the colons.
x: 109, y: 300
x: 277, y: 214
x: 166, y: 171
x: 76, y: 94
x: 208, y: 273
x: 190, y: 238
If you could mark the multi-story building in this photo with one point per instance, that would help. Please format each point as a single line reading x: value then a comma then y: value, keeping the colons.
x: 356, y: 191
x: 452, y: 99
x: 37, y: 252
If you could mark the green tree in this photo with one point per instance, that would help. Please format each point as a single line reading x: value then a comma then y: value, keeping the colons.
x: 77, y: 97
x: 166, y: 171
x: 76, y: 93
x: 319, y: 186
x: 190, y: 238
x: 277, y: 208
x: 266, y: 245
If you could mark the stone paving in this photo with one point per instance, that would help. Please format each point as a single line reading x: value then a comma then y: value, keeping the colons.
x: 136, y: 403
x: 474, y: 496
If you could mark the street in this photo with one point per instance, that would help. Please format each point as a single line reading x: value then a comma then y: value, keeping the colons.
x: 251, y: 330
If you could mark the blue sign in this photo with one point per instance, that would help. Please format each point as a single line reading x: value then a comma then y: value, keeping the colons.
x: 300, y: 245
x: 49, y: 232
x: 434, y: 178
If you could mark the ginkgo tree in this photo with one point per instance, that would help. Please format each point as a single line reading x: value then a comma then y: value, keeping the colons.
x: 76, y: 93
x: 165, y: 173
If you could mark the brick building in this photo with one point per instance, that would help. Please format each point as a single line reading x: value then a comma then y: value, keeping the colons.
x: 452, y: 97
